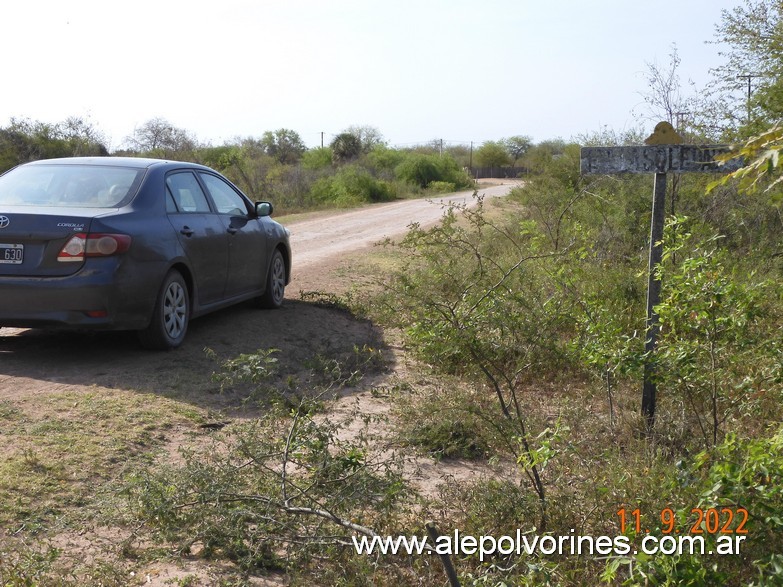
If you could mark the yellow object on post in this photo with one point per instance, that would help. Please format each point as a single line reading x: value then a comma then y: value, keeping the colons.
x: 664, y: 134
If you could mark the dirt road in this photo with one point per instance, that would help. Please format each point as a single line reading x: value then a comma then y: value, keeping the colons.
x: 326, y: 238
x: 35, y: 362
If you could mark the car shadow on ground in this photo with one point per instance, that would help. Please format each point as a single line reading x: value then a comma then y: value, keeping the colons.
x: 307, y: 337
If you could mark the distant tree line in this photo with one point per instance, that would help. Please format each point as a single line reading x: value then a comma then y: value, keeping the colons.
x: 356, y: 167
x: 24, y: 140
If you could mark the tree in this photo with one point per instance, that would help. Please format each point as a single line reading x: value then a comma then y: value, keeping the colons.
x: 517, y: 146
x: 492, y: 154
x: 159, y: 135
x: 664, y: 97
x: 284, y: 144
x: 368, y: 136
x: 754, y: 61
x: 665, y: 101
x: 345, y: 147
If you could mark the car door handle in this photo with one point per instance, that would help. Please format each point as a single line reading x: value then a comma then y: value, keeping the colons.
x: 187, y: 231
x: 232, y: 230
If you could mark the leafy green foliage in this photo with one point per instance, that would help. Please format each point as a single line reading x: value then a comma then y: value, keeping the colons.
x: 753, y: 34
x: 319, y: 158
x: 254, y: 368
x: 475, y: 291
x: 716, y: 353
x: 385, y: 159
x: 492, y: 154
x: 512, y: 298
x: 422, y: 170
x: 475, y: 299
x: 352, y: 185
x: 31, y: 566
x: 346, y: 147
x: 517, y: 146
x: 284, y: 145
x: 735, y: 475
x: 762, y: 154
x: 25, y: 140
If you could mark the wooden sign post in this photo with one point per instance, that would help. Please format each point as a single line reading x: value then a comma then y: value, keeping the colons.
x: 659, y: 159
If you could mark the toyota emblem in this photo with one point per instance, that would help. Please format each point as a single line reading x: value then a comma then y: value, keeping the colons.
x: 4, y: 221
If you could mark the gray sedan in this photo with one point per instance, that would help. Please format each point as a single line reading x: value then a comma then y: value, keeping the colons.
x: 132, y: 244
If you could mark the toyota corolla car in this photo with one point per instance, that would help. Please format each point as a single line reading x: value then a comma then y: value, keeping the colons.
x: 132, y: 244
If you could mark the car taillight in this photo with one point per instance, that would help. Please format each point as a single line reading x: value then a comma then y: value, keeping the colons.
x: 83, y: 245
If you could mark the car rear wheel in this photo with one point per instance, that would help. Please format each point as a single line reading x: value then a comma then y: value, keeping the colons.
x: 275, y: 282
x: 170, y: 317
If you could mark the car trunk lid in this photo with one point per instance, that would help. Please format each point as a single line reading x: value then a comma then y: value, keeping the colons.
x: 30, y: 242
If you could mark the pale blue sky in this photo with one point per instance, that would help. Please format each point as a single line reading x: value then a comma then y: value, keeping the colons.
x: 417, y: 70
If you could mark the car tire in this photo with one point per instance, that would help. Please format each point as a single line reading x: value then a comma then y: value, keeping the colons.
x: 275, y: 282
x: 170, y: 316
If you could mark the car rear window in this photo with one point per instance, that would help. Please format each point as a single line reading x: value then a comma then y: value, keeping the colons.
x: 71, y: 186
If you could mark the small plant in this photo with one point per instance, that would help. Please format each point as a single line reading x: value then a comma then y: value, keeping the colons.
x: 255, y: 368
x: 448, y: 439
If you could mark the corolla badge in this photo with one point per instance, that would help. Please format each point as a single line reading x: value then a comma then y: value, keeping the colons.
x: 4, y: 221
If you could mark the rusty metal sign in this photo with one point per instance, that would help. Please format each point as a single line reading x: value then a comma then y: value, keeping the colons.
x: 657, y: 159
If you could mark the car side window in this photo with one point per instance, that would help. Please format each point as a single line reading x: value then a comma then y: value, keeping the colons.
x: 186, y: 192
x: 171, y: 205
x: 226, y: 199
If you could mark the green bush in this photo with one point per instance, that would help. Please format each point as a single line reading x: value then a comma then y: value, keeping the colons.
x: 421, y: 170
x: 473, y: 291
x: 737, y: 475
x: 718, y: 355
x: 320, y: 158
x: 385, y: 159
x: 350, y: 186
x: 441, y: 187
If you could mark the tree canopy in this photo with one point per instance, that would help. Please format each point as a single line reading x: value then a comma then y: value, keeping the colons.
x: 25, y: 140
x: 753, y: 33
x: 492, y: 154
x: 158, y: 135
x: 284, y: 145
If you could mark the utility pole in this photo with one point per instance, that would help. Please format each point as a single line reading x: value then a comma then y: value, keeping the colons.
x: 749, y: 77
x: 679, y: 118
x: 322, y: 139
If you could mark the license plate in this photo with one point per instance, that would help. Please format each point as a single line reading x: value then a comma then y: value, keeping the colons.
x: 11, y: 254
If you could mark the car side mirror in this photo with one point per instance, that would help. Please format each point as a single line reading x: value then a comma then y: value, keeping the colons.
x: 264, y: 209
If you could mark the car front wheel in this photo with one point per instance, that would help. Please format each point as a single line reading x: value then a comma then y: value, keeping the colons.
x: 170, y: 317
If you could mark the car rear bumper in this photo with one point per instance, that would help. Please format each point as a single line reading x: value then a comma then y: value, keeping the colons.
x: 99, y: 296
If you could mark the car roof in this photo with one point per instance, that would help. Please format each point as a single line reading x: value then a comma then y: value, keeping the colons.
x: 133, y: 162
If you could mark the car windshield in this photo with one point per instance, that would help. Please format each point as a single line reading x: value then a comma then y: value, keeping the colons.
x: 71, y: 186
